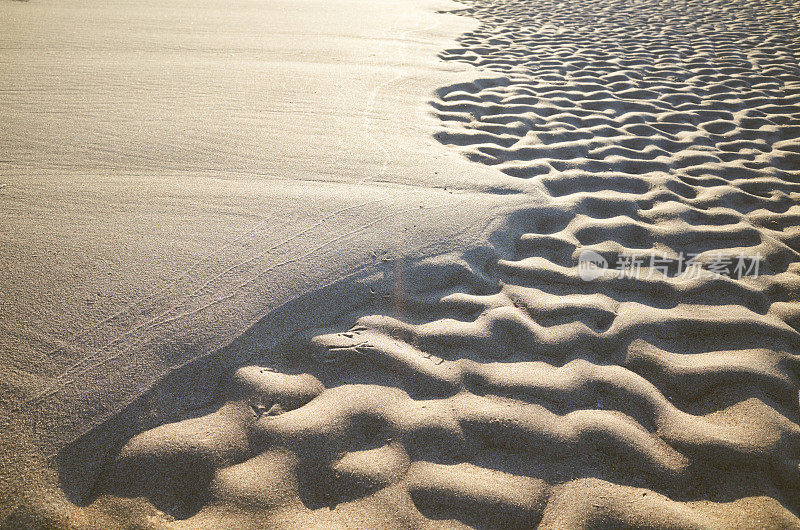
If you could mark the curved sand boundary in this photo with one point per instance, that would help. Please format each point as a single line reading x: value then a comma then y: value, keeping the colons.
x: 173, y: 173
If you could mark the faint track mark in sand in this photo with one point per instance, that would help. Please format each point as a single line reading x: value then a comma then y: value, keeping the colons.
x: 369, y: 110
x: 166, y: 315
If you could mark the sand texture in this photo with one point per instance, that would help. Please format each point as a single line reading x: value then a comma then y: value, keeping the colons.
x: 173, y: 175
x: 475, y: 378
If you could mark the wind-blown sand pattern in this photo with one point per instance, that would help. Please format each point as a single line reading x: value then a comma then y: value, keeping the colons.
x: 497, y: 388
x: 704, y: 91
x: 509, y: 393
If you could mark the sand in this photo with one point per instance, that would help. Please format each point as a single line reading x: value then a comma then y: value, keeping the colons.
x: 273, y: 267
x: 174, y: 174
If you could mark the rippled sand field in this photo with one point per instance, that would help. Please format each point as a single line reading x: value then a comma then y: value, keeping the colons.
x: 496, y: 387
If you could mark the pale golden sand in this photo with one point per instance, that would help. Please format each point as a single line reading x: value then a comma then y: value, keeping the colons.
x: 469, y: 375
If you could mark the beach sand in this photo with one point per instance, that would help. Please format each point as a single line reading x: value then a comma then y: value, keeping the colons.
x: 313, y: 264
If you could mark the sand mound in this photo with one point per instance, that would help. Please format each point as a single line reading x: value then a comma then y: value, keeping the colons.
x: 501, y: 388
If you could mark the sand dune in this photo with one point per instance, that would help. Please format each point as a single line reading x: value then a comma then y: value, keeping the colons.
x: 496, y: 386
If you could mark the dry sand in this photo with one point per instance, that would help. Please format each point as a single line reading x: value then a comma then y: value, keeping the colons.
x: 275, y: 264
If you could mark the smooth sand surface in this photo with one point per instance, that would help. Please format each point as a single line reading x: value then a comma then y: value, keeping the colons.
x: 393, y: 252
